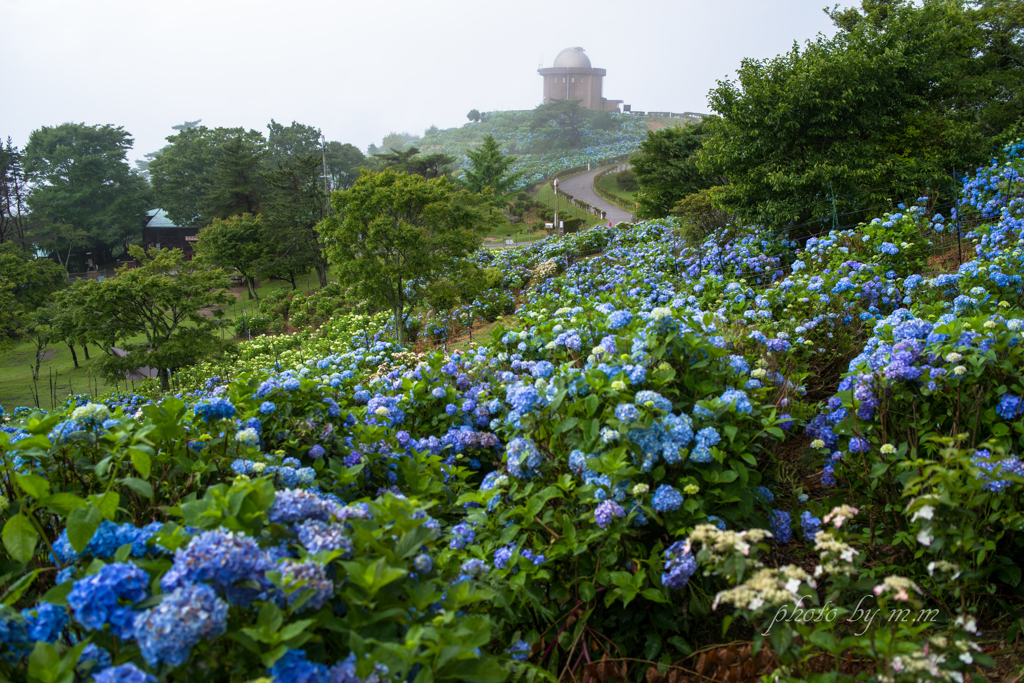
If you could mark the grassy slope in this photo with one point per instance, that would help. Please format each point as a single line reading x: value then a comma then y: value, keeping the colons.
x: 608, y: 184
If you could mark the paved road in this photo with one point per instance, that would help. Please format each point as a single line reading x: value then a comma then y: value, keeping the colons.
x: 582, y: 187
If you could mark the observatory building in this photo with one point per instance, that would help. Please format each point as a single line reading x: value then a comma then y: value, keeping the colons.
x: 572, y: 78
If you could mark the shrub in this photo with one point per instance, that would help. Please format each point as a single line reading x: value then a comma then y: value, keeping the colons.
x: 251, y: 325
x: 626, y: 180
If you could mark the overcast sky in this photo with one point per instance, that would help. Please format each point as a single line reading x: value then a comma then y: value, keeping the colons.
x: 359, y: 70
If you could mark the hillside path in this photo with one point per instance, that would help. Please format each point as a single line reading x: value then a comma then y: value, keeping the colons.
x: 582, y: 187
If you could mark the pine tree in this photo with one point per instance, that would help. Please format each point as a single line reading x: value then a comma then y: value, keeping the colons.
x: 489, y: 168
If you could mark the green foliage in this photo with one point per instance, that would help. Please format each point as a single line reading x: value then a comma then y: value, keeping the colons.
x: 627, y: 180
x: 409, y: 161
x: 26, y: 284
x: 162, y: 300
x: 701, y: 219
x: 82, y: 179
x: 239, y: 242
x: 489, y: 168
x: 14, y: 191
x: 666, y: 168
x: 882, y: 111
x: 392, y: 231
x: 237, y: 185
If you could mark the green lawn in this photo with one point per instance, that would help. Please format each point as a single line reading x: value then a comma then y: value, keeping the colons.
x: 608, y: 184
x: 57, y: 370
x: 546, y: 195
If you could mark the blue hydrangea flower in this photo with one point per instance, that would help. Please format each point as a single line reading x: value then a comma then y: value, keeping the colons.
x: 46, y: 621
x: 666, y: 499
x: 522, y: 458
x: 312, y: 576
x: 316, y: 535
x: 316, y: 452
x: 188, y: 615
x: 811, y: 525
x: 231, y: 562
x: 423, y: 564
x: 520, y: 651
x: 215, y: 408
x: 680, y: 565
x: 124, y: 673
x: 780, y: 523
x: 627, y: 413
x: 1009, y: 407
x: 619, y: 319
x: 607, y: 511
x: 765, y: 493
x: 107, y: 598
x: 462, y: 534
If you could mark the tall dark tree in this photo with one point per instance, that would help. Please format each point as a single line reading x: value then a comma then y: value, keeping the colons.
x: 295, y: 204
x: 287, y: 143
x: 565, y: 119
x: 238, y: 185
x: 182, y: 173
x: 81, y: 178
x: 343, y: 164
x: 14, y: 191
x: 666, y: 168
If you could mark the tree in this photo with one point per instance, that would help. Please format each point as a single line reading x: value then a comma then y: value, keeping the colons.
x: 295, y: 204
x: 488, y: 167
x: 393, y: 234
x: 287, y: 143
x: 182, y: 173
x: 26, y: 284
x: 238, y: 185
x: 81, y: 178
x: 396, y: 142
x: 666, y: 168
x: 60, y: 240
x: 164, y: 301
x: 14, y: 193
x: 884, y: 110
x: 565, y: 118
x: 235, y: 243
x: 343, y: 164
x: 474, y: 115
x: 409, y: 161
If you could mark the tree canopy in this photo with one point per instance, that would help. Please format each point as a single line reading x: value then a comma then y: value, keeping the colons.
x: 14, y: 191
x: 488, y: 167
x: 393, y: 234
x: 666, y: 168
x: 237, y: 242
x: 163, y: 301
x: 81, y: 178
x: 886, y: 109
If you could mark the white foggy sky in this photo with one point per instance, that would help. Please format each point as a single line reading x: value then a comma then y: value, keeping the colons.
x: 359, y: 70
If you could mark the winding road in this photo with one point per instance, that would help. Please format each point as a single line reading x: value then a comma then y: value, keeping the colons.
x: 582, y: 187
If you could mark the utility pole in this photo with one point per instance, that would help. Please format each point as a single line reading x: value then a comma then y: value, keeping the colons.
x: 556, y: 205
x: 835, y: 216
x: 323, y: 154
